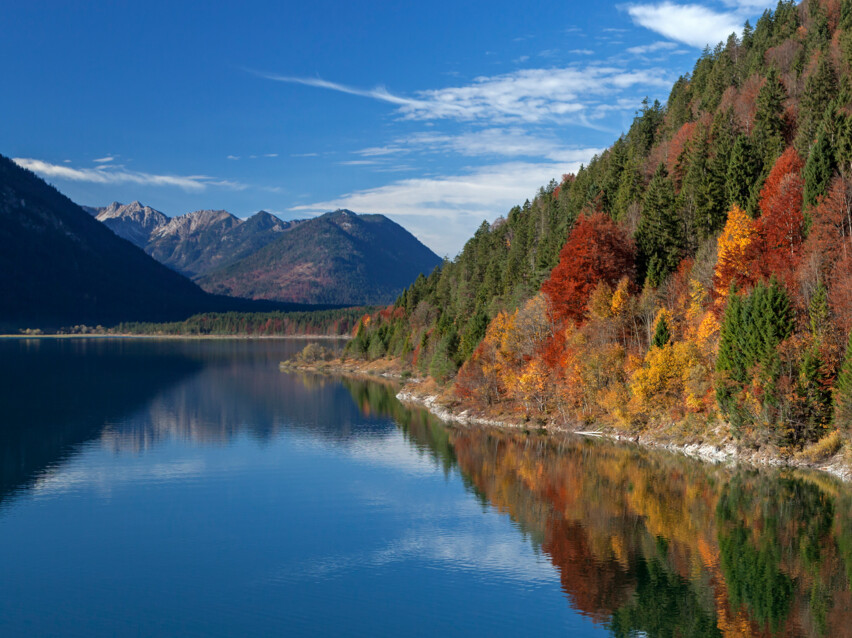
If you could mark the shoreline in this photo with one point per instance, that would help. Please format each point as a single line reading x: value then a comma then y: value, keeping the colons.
x: 425, y: 394
x: 727, y: 453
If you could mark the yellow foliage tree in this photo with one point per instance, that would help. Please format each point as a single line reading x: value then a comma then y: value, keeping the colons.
x: 735, y: 249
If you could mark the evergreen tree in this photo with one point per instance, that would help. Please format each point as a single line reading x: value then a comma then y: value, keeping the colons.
x: 815, y: 396
x: 743, y: 170
x: 768, y: 123
x: 843, y: 392
x: 661, y: 334
x: 820, y: 89
x: 819, y: 169
x: 659, y: 236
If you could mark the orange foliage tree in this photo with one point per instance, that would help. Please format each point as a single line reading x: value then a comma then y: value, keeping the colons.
x: 735, y: 263
x: 597, y: 250
x: 781, y: 224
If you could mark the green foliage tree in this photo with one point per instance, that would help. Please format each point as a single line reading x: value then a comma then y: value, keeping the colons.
x: 662, y: 335
x: 768, y: 123
x: 843, y: 392
x: 659, y: 236
x: 819, y: 169
x: 743, y: 170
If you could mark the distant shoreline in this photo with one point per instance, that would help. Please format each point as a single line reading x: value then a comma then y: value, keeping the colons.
x: 191, y: 337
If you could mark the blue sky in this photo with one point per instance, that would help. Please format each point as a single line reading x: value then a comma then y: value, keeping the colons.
x: 438, y: 115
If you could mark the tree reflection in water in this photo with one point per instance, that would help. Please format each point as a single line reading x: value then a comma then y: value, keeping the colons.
x: 653, y: 543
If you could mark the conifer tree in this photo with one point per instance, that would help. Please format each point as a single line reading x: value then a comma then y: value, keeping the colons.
x: 661, y: 334
x: 843, y: 392
x: 768, y: 125
x: 659, y: 236
x: 743, y: 170
x: 820, y: 89
x: 819, y: 169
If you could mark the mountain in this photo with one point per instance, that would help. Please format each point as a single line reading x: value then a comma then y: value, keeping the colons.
x: 60, y: 266
x: 191, y: 243
x: 337, y: 258
x: 134, y: 222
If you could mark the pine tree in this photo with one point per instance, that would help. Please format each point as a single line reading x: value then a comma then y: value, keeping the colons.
x: 768, y: 123
x: 820, y: 89
x: 815, y: 397
x: 659, y: 237
x: 661, y: 334
x: 743, y: 170
x: 819, y: 169
x: 843, y: 392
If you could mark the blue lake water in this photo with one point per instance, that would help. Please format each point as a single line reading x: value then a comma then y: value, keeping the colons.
x: 180, y: 488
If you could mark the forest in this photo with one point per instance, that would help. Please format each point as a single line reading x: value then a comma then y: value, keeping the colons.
x: 335, y: 322
x: 693, y: 278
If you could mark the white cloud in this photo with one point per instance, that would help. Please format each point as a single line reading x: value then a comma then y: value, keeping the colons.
x: 652, y: 48
x: 691, y: 24
x: 529, y: 95
x: 103, y: 160
x: 444, y: 211
x: 503, y: 142
x: 749, y: 6
x: 118, y: 175
x: 582, y: 51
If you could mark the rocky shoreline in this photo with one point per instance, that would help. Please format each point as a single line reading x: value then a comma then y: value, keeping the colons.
x: 727, y: 452
x: 426, y: 394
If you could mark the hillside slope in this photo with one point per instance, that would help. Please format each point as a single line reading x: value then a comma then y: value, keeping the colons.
x: 696, y: 277
x: 60, y: 266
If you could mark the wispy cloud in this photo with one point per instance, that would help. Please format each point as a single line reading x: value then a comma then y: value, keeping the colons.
x: 104, y: 160
x: 357, y: 163
x: 378, y: 93
x: 117, y: 175
x: 444, y: 210
x: 644, y: 49
x: 692, y: 24
x: 494, y: 142
x: 565, y: 95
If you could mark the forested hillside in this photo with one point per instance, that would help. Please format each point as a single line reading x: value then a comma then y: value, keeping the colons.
x: 698, y: 272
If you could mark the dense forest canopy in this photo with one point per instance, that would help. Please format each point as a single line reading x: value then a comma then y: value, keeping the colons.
x: 697, y: 271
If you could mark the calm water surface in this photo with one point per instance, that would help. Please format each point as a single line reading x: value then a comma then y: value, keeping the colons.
x: 191, y: 488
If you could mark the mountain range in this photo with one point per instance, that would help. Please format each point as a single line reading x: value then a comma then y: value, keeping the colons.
x: 62, y: 264
x: 338, y: 258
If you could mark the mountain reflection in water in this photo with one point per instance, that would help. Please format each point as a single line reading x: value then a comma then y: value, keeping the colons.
x: 644, y: 542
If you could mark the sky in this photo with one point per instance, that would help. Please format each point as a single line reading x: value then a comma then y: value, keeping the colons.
x: 438, y: 115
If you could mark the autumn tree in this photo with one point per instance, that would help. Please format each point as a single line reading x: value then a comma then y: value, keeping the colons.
x: 596, y: 250
x: 734, y: 263
x: 781, y: 223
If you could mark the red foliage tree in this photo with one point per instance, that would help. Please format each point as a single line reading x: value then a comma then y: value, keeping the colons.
x: 782, y: 222
x: 597, y: 250
x: 676, y: 146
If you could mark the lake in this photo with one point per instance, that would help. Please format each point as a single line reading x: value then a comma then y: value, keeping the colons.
x: 181, y: 488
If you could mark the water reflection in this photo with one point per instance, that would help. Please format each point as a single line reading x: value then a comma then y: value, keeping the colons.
x: 654, y: 544
x: 644, y: 543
